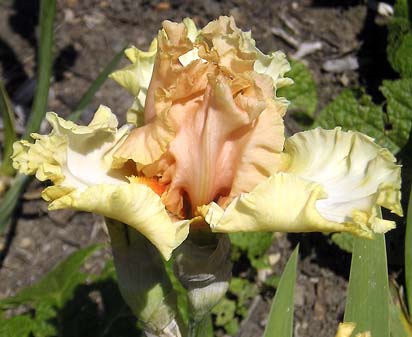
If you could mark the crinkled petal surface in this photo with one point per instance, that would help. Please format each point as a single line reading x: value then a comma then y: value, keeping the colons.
x: 79, y: 161
x: 133, y: 204
x: 135, y: 78
x: 334, y: 182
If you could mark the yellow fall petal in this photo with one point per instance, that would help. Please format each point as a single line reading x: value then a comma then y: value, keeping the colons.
x: 334, y: 182
x: 62, y: 155
x: 133, y: 204
x: 357, y: 174
x: 79, y: 161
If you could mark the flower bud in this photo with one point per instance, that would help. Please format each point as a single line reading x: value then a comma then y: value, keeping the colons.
x: 143, y: 281
x: 203, y: 266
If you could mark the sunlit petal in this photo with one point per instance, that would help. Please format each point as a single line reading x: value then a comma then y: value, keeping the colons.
x: 334, y: 182
x: 79, y: 161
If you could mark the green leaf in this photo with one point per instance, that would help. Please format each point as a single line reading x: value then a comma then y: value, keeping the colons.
x: 367, y: 303
x: 399, y: 323
x: 79, y: 314
x: 344, y: 241
x: 203, y: 328
x: 10, y: 137
x: 280, y: 323
x: 354, y: 110
x: 224, y: 311
x: 59, y: 284
x: 42, y: 325
x: 10, y: 199
x: 255, y: 245
x: 272, y: 281
x: 225, y: 316
x: 95, y: 86
x: 400, y: 39
x: 408, y: 255
x: 302, y: 94
x: 47, y: 13
x: 45, y: 57
x: 399, y: 110
x: 182, y: 300
x: 244, y: 291
x: 18, y: 326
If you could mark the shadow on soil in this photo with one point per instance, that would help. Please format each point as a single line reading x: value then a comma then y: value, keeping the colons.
x: 96, y: 310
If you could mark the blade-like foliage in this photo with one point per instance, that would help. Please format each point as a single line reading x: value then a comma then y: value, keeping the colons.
x: 367, y: 303
x: 280, y: 323
x: 61, y: 304
x: 399, y: 322
x: 58, y: 285
x: 7, y: 114
x: 95, y: 86
x: 9, y: 201
x: 45, y: 62
x: 408, y: 255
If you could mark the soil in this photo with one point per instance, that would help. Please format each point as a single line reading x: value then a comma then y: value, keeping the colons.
x: 88, y: 33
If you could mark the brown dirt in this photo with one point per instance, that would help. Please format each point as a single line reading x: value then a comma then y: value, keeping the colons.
x: 88, y: 33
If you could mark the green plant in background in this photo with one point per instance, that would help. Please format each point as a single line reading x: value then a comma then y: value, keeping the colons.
x: 302, y: 94
x: 39, y: 108
x: 46, y: 20
x: 60, y: 304
x: 200, y: 273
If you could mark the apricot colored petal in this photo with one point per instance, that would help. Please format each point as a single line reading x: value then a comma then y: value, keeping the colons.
x: 261, y: 154
x: 148, y: 143
x: 207, y: 166
x: 227, y: 45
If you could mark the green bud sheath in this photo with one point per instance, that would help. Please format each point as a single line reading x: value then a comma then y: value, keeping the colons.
x: 143, y: 281
x: 203, y: 266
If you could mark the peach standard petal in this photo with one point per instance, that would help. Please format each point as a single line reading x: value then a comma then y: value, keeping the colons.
x: 213, y: 126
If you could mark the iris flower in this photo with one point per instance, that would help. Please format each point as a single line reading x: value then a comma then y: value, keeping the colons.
x: 204, y: 147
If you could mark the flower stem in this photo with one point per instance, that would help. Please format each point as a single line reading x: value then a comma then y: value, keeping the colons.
x: 201, y: 328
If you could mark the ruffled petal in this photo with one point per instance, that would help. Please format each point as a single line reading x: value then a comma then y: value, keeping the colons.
x: 357, y: 174
x: 274, y: 65
x: 237, y: 52
x: 261, y: 154
x: 227, y: 45
x: 136, y: 205
x: 205, y: 150
x: 172, y: 90
x: 79, y: 161
x: 73, y: 155
x: 135, y: 78
x: 334, y: 182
